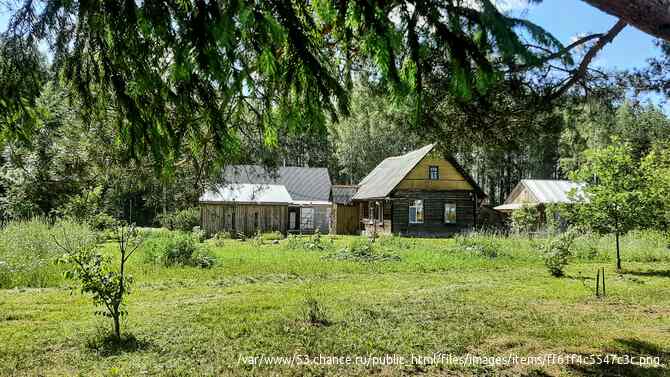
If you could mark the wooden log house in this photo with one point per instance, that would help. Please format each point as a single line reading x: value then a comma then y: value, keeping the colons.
x: 421, y: 193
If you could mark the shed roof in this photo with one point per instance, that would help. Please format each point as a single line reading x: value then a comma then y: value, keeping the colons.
x: 552, y: 190
x: 302, y: 183
x: 247, y: 193
x: 543, y: 191
x: 390, y: 172
x: 342, y: 194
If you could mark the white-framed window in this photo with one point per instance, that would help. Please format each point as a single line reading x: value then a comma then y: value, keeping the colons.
x: 416, y: 212
x: 450, y: 213
x: 433, y: 173
x: 307, y: 218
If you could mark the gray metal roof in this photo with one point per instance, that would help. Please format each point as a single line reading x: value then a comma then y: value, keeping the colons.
x: 386, y: 176
x: 342, y: 194
x: 552, y: 191
x: 303, y: 184
x: 247, y: 193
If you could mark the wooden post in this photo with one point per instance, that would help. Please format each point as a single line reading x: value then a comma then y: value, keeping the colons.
x: 604, y: 294
x: 598, y: 284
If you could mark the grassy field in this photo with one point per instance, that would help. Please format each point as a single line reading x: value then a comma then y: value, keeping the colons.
x: 427, y: 297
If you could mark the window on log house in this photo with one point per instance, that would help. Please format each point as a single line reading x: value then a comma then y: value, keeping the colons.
x: 450, y: 213
x: 433, y: 173
x: 416, y: 212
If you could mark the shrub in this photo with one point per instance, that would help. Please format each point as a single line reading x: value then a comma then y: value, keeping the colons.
x: 184, y: 220
x: 363, y: 251
x: 314, y: 242
x: 486, y: 247
x: 82, y: 207
x: 199, y: 234
x: 525, y: 219
x: 178, y: 249
x: 557, y: 252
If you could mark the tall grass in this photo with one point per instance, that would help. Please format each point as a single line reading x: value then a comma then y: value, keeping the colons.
x: 28, y: 255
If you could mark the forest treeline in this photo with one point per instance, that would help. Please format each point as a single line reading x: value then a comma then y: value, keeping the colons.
x: 74, y: 165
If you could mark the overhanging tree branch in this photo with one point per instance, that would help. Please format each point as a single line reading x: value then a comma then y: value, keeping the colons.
x: 555, y: 55
x: 650, y: 16
x: 583, y: 67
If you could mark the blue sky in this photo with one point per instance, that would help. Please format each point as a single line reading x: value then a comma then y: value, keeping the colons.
x: 566, y: 19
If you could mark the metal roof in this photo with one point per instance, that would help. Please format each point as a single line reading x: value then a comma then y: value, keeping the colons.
x: 302, y: 183
x: 247, y: 193
x: 552, y: 191
x: 342, y: 194
x: 386, y: 176
x: 513, y: 206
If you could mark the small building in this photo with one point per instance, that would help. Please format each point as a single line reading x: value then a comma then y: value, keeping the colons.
x: 421, y: 193
x: 245, y: 208
x: 540, y: 193
x: 251, y: 199
x: 344, y: 213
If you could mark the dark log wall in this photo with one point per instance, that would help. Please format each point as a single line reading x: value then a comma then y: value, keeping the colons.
x: 433, y: 210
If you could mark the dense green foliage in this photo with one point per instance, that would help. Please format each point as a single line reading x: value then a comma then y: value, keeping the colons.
x: 215, y: 73
x: 557, y: 252
x: 184, y: 220
x: 177, y: 249
x: 525, y: 220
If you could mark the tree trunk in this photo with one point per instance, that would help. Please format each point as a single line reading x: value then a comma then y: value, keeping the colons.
x: 650, y: 16
x: 618, y: 254
x: 117, y: 325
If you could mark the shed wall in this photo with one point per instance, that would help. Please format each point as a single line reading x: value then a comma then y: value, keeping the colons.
x: 243, y: 218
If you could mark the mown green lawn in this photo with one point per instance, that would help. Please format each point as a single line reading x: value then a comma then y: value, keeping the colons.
x: 438, y: 298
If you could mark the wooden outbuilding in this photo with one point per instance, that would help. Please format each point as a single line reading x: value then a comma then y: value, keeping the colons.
x: 540, y: 193
x: 245, y: 208
x: 253, y: 199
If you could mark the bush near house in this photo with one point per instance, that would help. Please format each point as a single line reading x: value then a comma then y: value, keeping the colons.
x: 525, y: 220
x: 178, y: 249
x: 184, y: 220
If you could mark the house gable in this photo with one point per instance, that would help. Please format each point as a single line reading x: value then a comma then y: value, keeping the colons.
x: 522, y: 195
x: 449, y: 176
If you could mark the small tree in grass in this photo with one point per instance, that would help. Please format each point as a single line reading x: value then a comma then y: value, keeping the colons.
x: 613, y: 195
x: 108, y: 284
